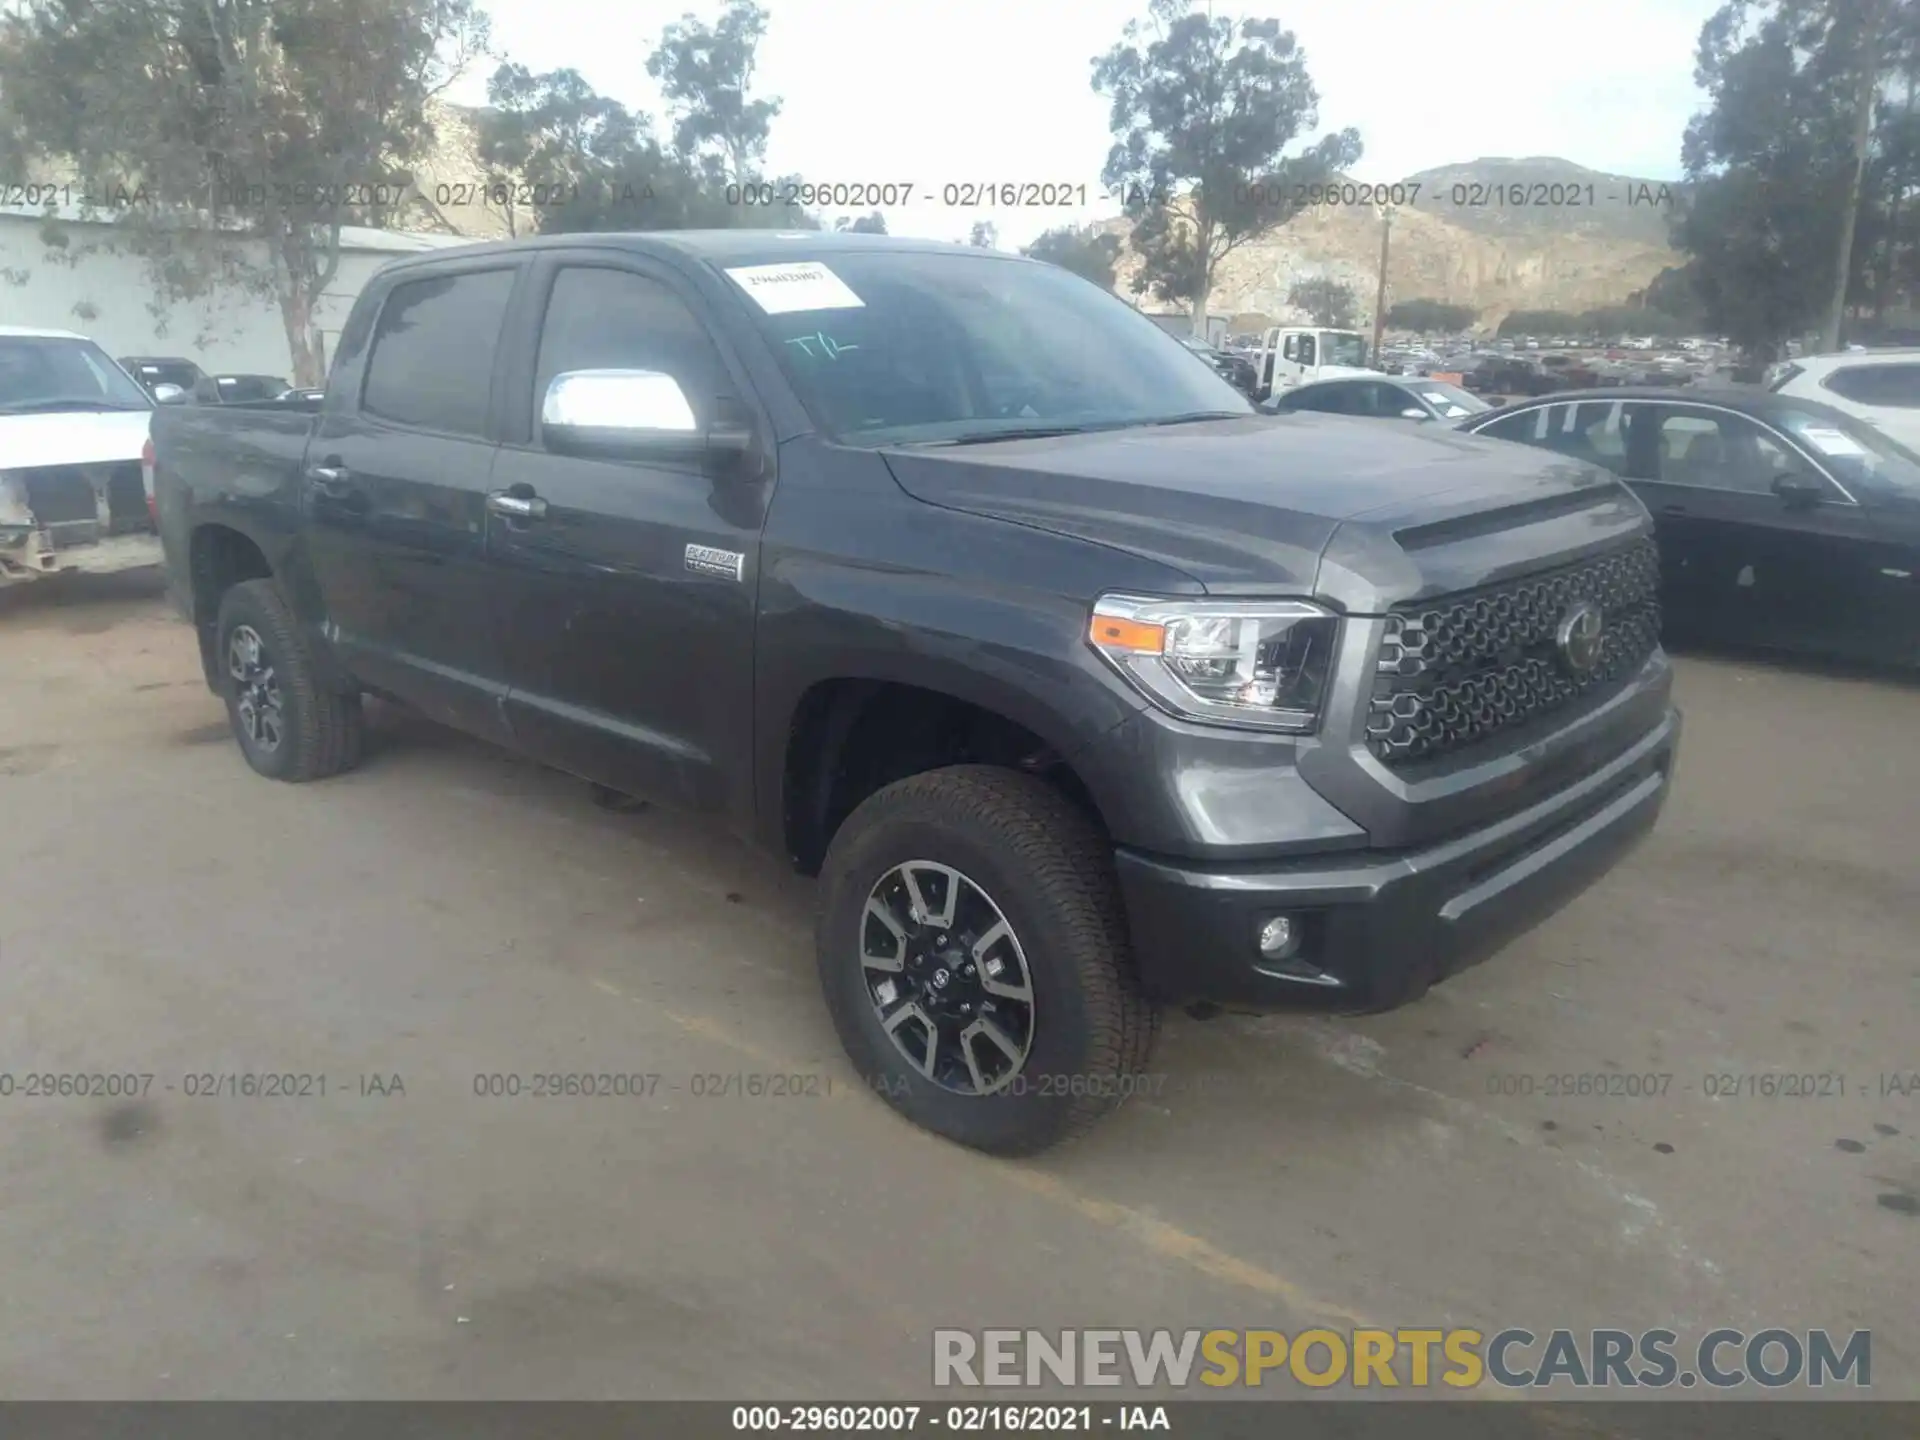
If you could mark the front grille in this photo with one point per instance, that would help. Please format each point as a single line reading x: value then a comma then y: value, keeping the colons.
x: 65, y: 500
x: 1458, y: 671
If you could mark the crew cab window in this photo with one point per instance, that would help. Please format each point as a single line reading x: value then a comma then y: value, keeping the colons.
x: 1895, y: 386
x: 601, y: 319
x: 433, y: 349
x: 1715, y: 450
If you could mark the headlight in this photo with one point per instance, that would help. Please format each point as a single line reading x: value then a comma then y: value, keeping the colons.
x: 1263, y: 664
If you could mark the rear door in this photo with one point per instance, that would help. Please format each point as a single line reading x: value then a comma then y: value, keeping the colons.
x: 625, y: 610
x: 395, y: 490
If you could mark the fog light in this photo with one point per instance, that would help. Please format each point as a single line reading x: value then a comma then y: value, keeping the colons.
x: 1277, y: 937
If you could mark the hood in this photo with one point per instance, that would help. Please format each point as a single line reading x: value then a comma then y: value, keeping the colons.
x: 1250, y: 506
x: 72, y: 437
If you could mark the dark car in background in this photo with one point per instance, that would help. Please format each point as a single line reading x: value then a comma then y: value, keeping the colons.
x: 238, y: 389
x: 1237, y: 370
x: 1782, y: 523
x: 1392, y: 397
x: 1507, y: 376
x: 156, y: 370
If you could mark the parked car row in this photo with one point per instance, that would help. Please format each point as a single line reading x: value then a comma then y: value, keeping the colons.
x: 171, y: 379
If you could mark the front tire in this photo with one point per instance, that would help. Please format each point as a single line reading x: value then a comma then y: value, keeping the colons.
x: 289, y: 726
x: 974, y: 956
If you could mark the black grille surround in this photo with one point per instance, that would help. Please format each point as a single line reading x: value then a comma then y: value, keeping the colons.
x: 1459, y: 670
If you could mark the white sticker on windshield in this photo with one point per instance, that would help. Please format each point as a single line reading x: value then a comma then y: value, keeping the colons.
x: 1831, y: 442
x: 795, y: 285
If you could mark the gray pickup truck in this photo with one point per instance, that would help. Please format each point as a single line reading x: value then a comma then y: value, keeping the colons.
x: 1084, y: 688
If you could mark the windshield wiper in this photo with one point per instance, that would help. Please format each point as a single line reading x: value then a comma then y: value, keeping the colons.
x: 1199, y: 415
x: 1045, y: 432
x: 72, y: 402
x: 1024, y: 432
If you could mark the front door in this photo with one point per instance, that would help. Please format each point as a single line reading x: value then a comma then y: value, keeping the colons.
x: 1758, y: 572
x: 625, y: 610
x: 395, y: 490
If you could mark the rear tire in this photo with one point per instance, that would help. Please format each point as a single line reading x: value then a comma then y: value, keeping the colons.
x: 1028, y: 868
x: 289, y: 726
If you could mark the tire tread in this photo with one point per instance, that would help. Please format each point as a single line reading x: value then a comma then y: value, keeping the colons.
x: 1069, y: 865
x: 325, y: 725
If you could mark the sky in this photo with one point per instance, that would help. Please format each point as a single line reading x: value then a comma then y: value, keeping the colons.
x: 932, y: 95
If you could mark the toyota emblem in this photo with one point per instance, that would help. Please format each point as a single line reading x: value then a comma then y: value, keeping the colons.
x: 1579, y: 636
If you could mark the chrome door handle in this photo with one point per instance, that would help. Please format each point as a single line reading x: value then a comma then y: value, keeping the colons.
x: 520, y: 507
x: 327, y: 474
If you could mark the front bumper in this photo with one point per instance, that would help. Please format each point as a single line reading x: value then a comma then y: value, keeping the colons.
x: 28, y: 554
x: 1378, y: 928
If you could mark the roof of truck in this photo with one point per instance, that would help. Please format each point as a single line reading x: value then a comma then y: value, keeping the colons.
x: 737, y: 247
x: 31, y: 332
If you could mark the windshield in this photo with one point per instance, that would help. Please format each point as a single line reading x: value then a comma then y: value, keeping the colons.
x: 1451, y: 401
x: 1337, y: 348
x: 49, y: 373
x: 901, y: 347
x: 183, y: 373
x: 1857, y: 454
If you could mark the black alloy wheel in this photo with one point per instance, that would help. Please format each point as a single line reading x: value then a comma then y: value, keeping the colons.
x: 947, y: 977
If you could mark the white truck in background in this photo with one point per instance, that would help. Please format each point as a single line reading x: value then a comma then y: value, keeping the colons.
x: 76, y: 476
x: 1297, y: 355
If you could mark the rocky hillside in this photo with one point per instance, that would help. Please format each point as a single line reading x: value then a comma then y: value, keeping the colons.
x: 1495, y: 234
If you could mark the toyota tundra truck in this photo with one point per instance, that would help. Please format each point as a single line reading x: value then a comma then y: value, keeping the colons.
x: 1083, y: 688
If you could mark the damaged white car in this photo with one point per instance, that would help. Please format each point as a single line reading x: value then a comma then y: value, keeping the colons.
x: 76, y: 477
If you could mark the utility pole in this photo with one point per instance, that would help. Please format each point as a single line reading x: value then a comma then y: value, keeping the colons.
x: 1380, y: 293
x: 1866, y: 79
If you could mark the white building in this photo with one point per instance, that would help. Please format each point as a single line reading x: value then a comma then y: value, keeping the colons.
x: 107, y: 295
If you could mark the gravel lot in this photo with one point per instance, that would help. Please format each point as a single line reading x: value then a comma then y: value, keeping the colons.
x: 447, y: 912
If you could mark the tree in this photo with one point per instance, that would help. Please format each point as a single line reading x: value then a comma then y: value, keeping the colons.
x: 872, y: 223
x: 555, y: 126
x: 1861, y: 26
x: 1328, y: 302
x: 984, y: 236
x: 1675, y: 292
x: 600, y: 167
x: 232, y: 140
x: 1203, y: 108
x: 1090, y: 253
x: 1607, y: 320
x: 1429, y: 316
x: 705, y: 73
x: 1788, y: 170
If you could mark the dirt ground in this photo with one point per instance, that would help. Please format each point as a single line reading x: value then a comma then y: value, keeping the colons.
x: 448, y: 912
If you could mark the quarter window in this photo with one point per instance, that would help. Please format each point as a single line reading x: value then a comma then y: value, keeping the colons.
x: 1895, y: 386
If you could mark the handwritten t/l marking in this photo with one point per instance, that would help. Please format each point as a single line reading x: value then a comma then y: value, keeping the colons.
x: 829, y: 347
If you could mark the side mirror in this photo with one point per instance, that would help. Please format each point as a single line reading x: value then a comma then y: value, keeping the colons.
x: 169, y: 395
x: 1798, y: 492
x: 1411, y: 413
x: 638, y: 415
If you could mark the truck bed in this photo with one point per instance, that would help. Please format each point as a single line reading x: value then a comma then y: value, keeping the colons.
x: 250, y: 450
